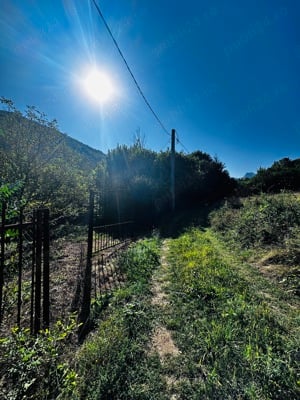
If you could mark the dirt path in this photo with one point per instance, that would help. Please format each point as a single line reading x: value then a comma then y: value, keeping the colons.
x: 64, y: 271
x: 161, y: 341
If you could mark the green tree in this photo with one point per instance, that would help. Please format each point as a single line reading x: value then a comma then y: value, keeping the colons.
x: 34, y: 155
x: 284, y: 174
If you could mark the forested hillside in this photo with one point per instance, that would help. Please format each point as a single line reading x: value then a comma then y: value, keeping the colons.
x: 41, y: 165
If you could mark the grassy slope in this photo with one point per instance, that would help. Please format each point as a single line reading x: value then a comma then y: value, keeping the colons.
x: 237, y: 333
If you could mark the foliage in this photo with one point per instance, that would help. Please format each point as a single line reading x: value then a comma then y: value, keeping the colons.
x: 6, y: 191
x: 136, y: 182
x: 282, y: 175
x: 31, y: 367
x: 37, y: 158
x: 261, y: 220
x: 7, y: 194
x: 233, y: 345
x: 113, y: 363
x: 56, y: 171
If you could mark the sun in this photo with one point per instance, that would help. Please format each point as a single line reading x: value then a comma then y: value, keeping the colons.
x: 99, y: 86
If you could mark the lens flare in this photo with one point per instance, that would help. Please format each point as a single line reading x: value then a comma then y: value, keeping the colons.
x: 99, y: 86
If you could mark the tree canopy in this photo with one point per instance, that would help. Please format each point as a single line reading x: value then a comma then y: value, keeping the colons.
x: 284, y: 174
x: 135, y: 182
x: 50, y: 169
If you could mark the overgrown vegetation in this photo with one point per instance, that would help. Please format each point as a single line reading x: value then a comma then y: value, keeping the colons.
x: 113, y: 362
x: 259, y: 221
x: 234, y: 344
x: 267, y: 225
x: 36, y: 367
x: 49, y: 168
x: 136, y: 182
x: 284, y: 174
x: 236, y: 333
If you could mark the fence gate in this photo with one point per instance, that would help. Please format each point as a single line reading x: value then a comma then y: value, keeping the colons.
x: 24, y: 269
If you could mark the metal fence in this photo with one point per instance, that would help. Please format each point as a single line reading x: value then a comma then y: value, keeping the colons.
x: 109, y: 241
x: 24, y: 265
x: 101, y: 275
x: 24, y: 268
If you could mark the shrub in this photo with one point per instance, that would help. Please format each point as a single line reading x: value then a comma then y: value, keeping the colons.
x: 262, y: 220
x: 32, y: 367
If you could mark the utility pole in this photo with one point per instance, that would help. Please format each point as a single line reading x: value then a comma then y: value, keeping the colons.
x: 173, y: 170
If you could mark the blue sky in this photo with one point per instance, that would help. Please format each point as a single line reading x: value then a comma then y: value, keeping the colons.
x: 223, y: 73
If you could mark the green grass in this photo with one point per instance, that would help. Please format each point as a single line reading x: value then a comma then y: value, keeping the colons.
x: 114, y: 362
x: 237, y: 333
x: 234, y: 344
x: 259, y: 221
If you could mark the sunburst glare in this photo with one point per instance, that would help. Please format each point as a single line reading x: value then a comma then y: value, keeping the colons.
x: 99, y: 86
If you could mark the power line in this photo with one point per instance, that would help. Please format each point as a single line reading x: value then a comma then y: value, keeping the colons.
x: 128, y: 68
x: 178, y: 141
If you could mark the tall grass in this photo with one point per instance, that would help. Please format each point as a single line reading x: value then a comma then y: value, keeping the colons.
x: 233, y: 345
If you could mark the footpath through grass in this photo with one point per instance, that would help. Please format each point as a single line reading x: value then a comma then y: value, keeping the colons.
x: 202, y: 325
x: 114, y: 362
x: 238, y: 336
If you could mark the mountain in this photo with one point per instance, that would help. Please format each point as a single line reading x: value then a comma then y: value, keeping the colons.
x: 249, y: 175
x: 87, y: 157
x: 44, y: 166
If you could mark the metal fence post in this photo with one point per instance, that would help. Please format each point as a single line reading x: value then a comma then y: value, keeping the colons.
x: 20, y: 263
x: 33, y: 272
x: 46, y: 284
x: 38, y: 273
x: 87, y: 282
x: 3, y: 215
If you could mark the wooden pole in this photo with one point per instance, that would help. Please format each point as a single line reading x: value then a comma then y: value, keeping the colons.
x: 173, y: 170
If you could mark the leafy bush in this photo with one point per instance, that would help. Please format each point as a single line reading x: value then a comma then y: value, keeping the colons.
x: 32, y: 367
x: 261, y: 220
x: 292, y: 247
x: 284, y: 174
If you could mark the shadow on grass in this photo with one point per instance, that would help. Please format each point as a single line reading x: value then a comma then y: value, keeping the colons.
x: 175, y: 223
